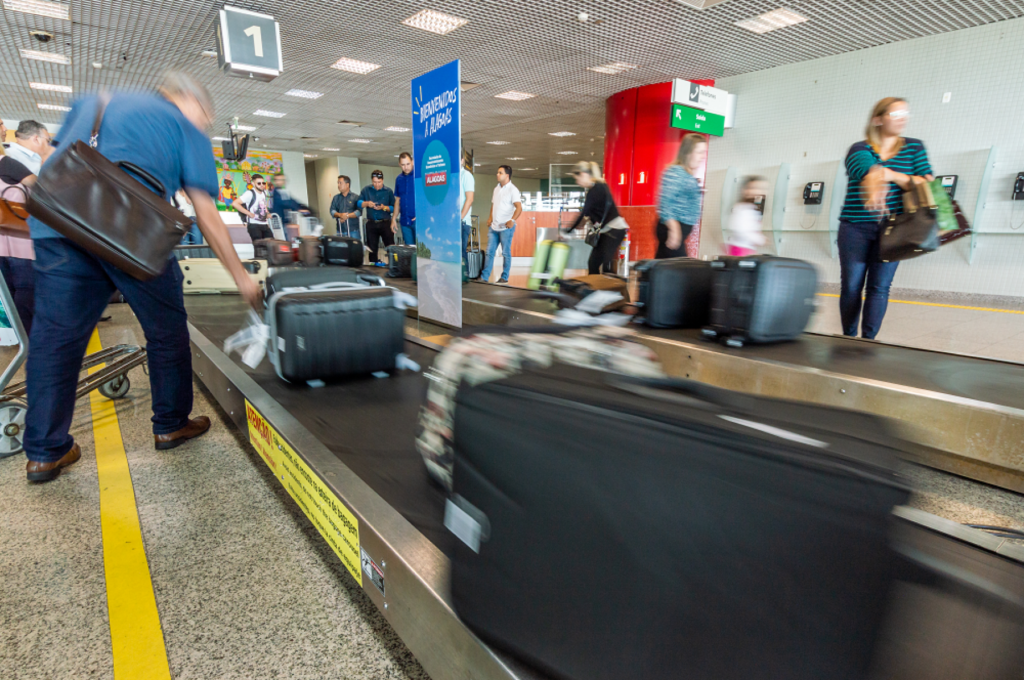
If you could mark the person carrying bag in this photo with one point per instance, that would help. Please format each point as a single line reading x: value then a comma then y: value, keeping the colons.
x: 915, y: 231
x: 607, y: 228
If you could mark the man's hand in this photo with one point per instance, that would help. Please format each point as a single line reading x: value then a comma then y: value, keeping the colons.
x: 394, y: 227
x: 251, y: 293
x: 510, y: 224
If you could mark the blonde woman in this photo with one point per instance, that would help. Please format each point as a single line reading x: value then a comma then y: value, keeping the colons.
x: 679, y: 203
x: 879, y: 168
x: 599, y: 209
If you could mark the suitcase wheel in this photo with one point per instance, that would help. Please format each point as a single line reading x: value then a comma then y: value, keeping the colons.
x: 734, y: 342
x: 709, y: 333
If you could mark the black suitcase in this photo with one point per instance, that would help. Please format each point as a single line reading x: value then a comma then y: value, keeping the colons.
x: 674, y: 293
x: 400, y: 261
x: 334, y: 333
x: 189, y: 252
x: 342, y: 250
x: 669, y: 529
x: 761, y: 299
x: 280, y: 278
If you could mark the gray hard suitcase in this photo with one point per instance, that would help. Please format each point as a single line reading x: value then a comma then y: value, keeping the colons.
x: 281, y: 278
x: 760, y: 299
x: 336, y: 331
x: 474, y: 256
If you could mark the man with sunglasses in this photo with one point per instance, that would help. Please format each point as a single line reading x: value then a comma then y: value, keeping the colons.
x: 254, y: 208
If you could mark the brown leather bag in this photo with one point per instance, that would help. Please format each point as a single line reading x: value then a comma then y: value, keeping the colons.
x: 913, y: 233
x: 12, y: 210
x: 93, y: 202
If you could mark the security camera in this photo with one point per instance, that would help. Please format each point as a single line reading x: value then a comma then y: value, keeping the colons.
x: 41, y: 36
x: 583, y: 17
x: 255, y: 139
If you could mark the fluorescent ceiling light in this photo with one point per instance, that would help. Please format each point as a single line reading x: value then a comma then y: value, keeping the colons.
x: 310, y: 155
x: 770, y: 21
x: 220, y: 139
x: 45, y: 56
x: 395, y: 128
x: 354, y: 66
x: 515, y: 158
x: 57, y: 10
x: 515, y: 96
x: 305, y: 94
x: 360, y: 141
x: 562, y: 134
x: 435, y: 22
x: 499, y: 143
x: 245, y: 128
x: 51, y: 88
x: 477, y: 165
x: 208, y: 53
x: 568, y: 153
x: 613, y: 68
x: 268, y: 114
x: 53, y: 107
x: 326, y: 148
x: 522, y: 169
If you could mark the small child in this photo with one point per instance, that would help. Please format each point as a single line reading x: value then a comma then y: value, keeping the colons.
x: 743, y: 235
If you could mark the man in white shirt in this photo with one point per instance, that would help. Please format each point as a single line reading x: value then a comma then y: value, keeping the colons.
x: 506, y: 207
x: 468, y: 182
x: 32, y: 145
x: 255, y: 210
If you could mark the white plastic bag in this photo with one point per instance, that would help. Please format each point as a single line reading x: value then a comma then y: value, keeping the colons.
x: 250, y: 341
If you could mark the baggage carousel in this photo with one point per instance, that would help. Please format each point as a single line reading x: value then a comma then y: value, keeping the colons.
x: 346, y: 454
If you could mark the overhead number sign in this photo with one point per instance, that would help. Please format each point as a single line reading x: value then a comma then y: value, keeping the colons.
x: 685, y: 118
x: 249, y: 44
x: 696, y: 96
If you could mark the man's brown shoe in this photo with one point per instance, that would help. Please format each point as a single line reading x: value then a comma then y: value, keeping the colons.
x: 44, y: 472
x: 196, y: 427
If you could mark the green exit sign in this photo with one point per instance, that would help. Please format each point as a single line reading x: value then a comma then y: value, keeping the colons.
x: 685, y: 118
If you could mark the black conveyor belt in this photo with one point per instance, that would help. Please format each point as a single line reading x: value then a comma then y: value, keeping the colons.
x: 987, y: 380
x: 383, y: 454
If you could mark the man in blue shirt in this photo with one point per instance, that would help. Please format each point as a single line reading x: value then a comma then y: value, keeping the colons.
x: 379, y: 202
x: 162, y: 134
x: 280, y: 201
x: 405, y: 200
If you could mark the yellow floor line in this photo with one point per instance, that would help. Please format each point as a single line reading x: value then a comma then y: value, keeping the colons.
x: 136, y: 638
x: 937, y: 304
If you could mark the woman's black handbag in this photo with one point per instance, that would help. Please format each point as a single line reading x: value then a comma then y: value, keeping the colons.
x: 93, y: 202
x: 915, y: 232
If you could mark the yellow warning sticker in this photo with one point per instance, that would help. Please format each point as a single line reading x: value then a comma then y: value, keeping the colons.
x: 331, y: 517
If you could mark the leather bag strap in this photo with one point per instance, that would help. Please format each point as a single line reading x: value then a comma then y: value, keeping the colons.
x: 104, y: 99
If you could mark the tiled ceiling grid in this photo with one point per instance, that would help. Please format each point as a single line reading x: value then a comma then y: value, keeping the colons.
x: 534, y: 46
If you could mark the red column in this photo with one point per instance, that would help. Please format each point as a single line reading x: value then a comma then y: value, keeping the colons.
x: 639, y: 145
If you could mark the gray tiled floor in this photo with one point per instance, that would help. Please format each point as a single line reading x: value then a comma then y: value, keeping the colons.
x: 244, y: 585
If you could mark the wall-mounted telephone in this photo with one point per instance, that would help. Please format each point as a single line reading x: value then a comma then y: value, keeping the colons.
x: 759, y: 203
x: 949, y: 184
x: 1018, y: 187
x: 813, y: 193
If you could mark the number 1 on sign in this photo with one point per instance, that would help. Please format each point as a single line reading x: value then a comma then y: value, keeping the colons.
x: 256, y: 34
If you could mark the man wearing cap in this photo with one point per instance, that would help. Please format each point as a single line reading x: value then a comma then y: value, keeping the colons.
x: 379, y: 202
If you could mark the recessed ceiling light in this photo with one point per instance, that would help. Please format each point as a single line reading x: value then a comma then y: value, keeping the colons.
x: 515, y: 96
x: 360, y: 141
x: 515, y: 158
x: 53, y: 107
x: 220, y: 139
x: 395, y: 128
x: 568, y: 153
x: 435, y: 22
x: 245, y: 128
x: 268, y: 114
x: 770, y: 21
x: 305, y: 94
x: 612, y: 69
x: 477, y: 165
x: 51, y: 88
x: 97, y: 64
x: 522, y: 169
x: 562, y: 134
x: 354, y: 66
x: 45, y: 56
x: 208, y: 53
x: 327, y: 148
x: 57, y: 10
x: 310, y: 155
x: 499, y: 143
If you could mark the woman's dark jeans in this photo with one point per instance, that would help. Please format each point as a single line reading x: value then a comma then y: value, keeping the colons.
x: 858, y: 261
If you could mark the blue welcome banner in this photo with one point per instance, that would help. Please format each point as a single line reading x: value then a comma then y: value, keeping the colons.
x: 437, y: 155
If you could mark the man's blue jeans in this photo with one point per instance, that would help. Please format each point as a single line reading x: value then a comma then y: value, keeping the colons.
x: 858, y: 262
x: 409, y: 234
x: 72, y: 290
x: 493, y: 238
x: 194, y: 237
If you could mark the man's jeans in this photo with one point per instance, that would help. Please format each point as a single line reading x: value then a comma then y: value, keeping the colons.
x: 194, y: 237
x: 858, y: 261
x: 21, y: 281
x: 493, y: 238
x: 409, y: 234
x: 72, y: 290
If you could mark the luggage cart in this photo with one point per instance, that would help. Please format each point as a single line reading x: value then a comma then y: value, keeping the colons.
x: 112, y: 381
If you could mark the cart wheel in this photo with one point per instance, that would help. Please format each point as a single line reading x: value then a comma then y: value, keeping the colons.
x: 115, y: 388
x: 12, y: 427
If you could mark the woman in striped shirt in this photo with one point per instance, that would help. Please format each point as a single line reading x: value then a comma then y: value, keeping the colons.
x: 679, y: 204
x: 879, y: 169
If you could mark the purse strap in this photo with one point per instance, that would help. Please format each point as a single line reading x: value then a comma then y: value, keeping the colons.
x: 104, y: 99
